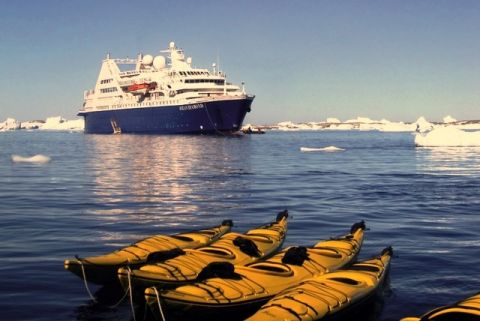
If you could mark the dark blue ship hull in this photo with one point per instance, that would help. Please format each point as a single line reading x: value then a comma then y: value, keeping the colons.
x: 198, y: 118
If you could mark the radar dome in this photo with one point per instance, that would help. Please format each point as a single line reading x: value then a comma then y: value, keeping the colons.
x: 159, y: 62
x: 171, y: 45
x: 189, y: 60
x: 147, y: 60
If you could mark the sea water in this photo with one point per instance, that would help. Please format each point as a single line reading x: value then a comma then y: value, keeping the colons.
x: 98, y: 193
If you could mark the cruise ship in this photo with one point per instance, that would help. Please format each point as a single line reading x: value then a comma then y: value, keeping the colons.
x: 164, y: 94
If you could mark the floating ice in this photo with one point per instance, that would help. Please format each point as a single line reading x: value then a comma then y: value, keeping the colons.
x: 333, y: 120
x: 449, y: 119
x: 39, y: 159
x: 323, y: 149
x: 422, y: 125
x: 448, y: 136
x: 362, y: 120
x: 59, y: 123
x: 9, y: 124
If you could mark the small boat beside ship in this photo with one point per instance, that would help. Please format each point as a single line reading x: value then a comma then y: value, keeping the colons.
x: 164, y: 94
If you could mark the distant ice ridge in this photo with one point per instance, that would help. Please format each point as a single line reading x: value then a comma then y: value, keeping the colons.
x: 51, y: 123
x: 367, y: 124
x: 39, y: 159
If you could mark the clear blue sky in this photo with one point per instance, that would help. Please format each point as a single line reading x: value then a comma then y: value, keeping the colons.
x: 304, y: 60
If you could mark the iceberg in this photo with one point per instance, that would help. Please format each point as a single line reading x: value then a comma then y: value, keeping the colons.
x: 447, y: 136
x: 449, y: 119
x: 333, y: 120
x: 59, y: 123
x: 423, y: 126
x: 9, y: 124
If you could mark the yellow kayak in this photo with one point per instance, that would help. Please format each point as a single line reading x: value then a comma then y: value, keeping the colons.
x: 188, y: 266
x: 103, y: 269
x: 242, y: 289
x: 328, y: 295
x: 465, y: 310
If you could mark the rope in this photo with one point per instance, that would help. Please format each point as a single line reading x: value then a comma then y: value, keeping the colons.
x: 90, y: 293
x: 121, y: 300
x: 130, y: 291
x: 159, y: 305
x: 85, y: 281
x: 211, y: 121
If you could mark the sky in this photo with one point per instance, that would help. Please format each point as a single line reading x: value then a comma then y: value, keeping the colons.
x: 303, y: 60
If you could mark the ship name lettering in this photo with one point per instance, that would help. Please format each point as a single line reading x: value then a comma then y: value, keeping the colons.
x: 191, y: 107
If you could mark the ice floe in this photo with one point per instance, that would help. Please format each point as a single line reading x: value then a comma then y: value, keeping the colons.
x: 329, y: 149
x: 39, y: 159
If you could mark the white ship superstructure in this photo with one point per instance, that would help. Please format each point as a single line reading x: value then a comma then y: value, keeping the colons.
x: 153, y: 86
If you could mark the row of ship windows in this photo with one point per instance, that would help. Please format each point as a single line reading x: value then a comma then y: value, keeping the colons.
x: 168, y: 102
x: 191, y: 81
x: 185, y: 73
x: 106, y: 81
x: 108, y: 90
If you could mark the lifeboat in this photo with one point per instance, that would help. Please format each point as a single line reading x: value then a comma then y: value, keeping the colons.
x: 142, y: 88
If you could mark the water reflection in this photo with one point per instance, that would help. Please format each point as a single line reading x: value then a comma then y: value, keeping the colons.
x: 146, y: 174
x: 449, y: 160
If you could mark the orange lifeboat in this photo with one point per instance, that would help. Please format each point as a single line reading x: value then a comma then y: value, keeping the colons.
x: 141, y: 88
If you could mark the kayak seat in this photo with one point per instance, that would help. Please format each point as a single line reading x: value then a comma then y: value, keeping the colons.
x: 295, y: 255
x: 247, y: 246
x: 224, y: 270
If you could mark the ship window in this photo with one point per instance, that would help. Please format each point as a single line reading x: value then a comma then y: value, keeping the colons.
x: 106, y: 81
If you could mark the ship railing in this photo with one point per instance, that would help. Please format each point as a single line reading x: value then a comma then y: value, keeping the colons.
x: 125, y: 61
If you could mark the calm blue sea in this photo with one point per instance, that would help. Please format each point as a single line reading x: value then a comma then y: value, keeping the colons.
x: 102, y: 192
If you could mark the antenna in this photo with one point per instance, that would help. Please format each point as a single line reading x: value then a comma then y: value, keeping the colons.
x: 218, y: 61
